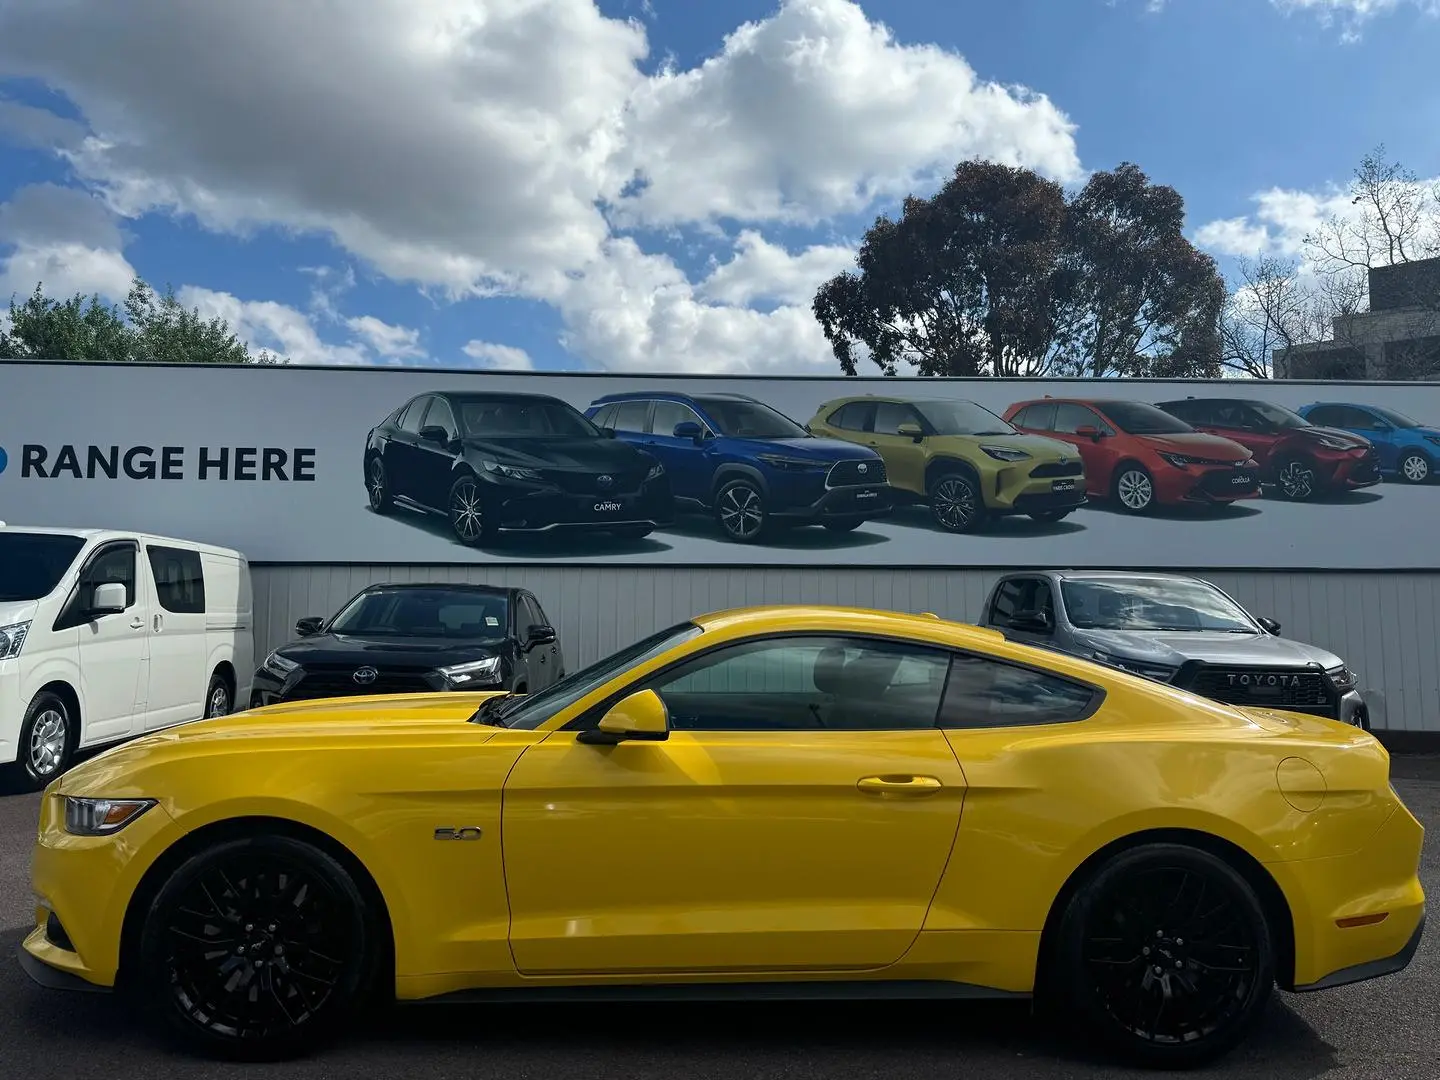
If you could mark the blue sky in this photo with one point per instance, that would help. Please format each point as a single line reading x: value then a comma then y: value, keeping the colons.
x: 450, y: 182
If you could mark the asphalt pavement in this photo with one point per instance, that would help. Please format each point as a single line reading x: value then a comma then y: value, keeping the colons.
x: 1384, y: 1030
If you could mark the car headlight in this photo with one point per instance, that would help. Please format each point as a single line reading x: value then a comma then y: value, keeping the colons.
x: 656, y: 471
x: 279, y: 665
x: 1335, y: 444
x: 514, y: 472
x: 1158, y: 672
x: 12, y: 638
x: 1433, y: 439
x: 1005, y: 453
x: 101, y: 817
x: 1178, y: 460
x: 780, y: 461
x: 486, y: 670
x: 1342, y: 677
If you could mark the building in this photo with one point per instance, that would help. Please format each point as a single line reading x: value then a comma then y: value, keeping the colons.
x: 1397, y: 339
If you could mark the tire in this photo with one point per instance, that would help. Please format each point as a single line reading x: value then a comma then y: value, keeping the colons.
x: 956, y: 502
x: 194, y: 940
x: 740, y: 511
x: 844, y: 525
x: 1295, y: 480
x: 633, y: 532
x: 465, y: 507
x: 1134, y: 489
x: 1116, y: 959
x: 1414, y: 467
x: 377, y: 486
x: 46, y: 747
x: 219, y: 698
x: 1051, y: 516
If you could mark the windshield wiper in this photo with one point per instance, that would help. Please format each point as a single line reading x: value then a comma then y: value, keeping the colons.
x: 487, y: 714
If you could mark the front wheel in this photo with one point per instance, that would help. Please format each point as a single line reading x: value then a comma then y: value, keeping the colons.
x: 48, y: 738
x: 1134, y: 489
x: 956, y: 502
x: 1414, y: 467
x: 740, y: 510
x: 1295, y: 479
x: 469, y: 520
x: 257, y: 948
x: 1165, y: 956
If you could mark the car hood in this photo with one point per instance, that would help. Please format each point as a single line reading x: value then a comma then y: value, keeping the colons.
x: 1424, y: 432
x: 1349, y: 438
x: 817, y: 448
x: 1196, y: 444
x: 1171, y: 648
x: 388, y: 651
x: 554, y: 452
x: 16, y: 611
x: 1037, y: 446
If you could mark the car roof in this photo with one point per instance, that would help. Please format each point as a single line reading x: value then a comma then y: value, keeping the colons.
x: 846, y: 620
x: 489, y: 395
x: 671, y: 395
x: 89, y: 533
x: 447, y: 586
x: 1103, y: 575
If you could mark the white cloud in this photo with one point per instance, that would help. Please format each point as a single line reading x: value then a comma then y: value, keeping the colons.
x: 65, y: 269
x: 476, y: 146
x: 64, y: 238
x: 389, y: 342
x: 276, y: 327
x: 498, y: 357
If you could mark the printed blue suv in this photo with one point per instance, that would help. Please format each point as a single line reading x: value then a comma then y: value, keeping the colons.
x: 1408, y: 449
x: 750, y: 466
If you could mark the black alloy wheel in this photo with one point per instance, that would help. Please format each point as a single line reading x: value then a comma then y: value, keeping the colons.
x: 469, y: 519
x: 258, y: 948
x: 956, y: 502
x: 377, y: 486
x: 740, y: 510
x: 1166, y: 956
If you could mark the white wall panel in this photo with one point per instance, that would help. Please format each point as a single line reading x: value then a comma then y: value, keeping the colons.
x: 1384, y: 625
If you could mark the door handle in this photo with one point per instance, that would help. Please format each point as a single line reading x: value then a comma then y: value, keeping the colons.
x: 136, y: 623
x: 156, y: 623
x: 909, y: 786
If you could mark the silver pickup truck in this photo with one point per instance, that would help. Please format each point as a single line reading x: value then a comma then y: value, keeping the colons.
x: 1175, y: 629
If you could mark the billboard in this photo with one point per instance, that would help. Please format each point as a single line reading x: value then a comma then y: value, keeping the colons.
x: 398, y: 465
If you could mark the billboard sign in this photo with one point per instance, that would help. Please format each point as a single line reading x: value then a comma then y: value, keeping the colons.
x: 395, y: 465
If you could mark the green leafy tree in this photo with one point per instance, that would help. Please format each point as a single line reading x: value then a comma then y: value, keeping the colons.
x: 1000, y: 273
x: 150, y: 328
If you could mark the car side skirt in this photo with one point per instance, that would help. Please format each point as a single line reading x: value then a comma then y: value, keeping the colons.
x: 780, y: 990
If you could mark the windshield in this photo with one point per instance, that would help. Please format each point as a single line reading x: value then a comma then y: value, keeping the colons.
x: 532, y: 710
x: 962, y: 418
x: 750, y: 420
x: 32, y: 564
x: 1399, y: 419
x: 488, y: 418
x: 427, y: 613
x: 1170, y: 604
x: 1278, y: 415
x: 1137, y: 418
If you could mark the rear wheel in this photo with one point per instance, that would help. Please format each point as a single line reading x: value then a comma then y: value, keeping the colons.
x: 1165, y: 956
x: 377, y: 486
x: 956, y: 502
x: 258, y: 948
x: 218, y: 698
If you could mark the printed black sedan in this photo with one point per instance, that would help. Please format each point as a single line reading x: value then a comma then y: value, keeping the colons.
x: 402, y: 639
x: 504, y: 463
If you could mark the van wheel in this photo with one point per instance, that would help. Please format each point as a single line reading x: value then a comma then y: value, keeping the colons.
x: 47, y: 741
x: 218, y: 699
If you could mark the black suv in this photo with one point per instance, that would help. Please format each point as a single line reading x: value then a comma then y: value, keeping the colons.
x: 404, y: 639
x: 497, y: 463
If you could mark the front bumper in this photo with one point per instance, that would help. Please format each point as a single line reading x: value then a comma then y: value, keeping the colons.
x: 306, y: 684
x: 12, y: 710
x: 1017, y: 490
x: 1211, y: 485
x: 1351, y: 709
x: 842, y: 503
x: 1353, y: 471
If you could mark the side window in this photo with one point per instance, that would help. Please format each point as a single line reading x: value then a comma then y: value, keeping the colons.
x: 630, y: 416
x: 538, y: 613
x: 1021, y: 594
x: 113, y: 563
x: 603, y: 416
x: 852, y: 416
x: 1196, y: 412
x: 1366, y: 421
x: 441, y: 415
x: 529, y: 617
x: 414, y: 415
x: 669, y: 413
x: 179, y: 579
x: 989, y: 693
x: 1036, y: 417
x: 807, y: 684
x: 1071, y: 418
x: 889, y: 415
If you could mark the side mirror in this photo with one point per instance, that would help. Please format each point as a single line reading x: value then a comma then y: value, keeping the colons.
x: 687, y: 429
x: 309, y: 625
x: 541, y: 635
x: 608, y: 432
x: 641, y: 717
x: 911, y: 430
x: 432, y: 433
x: 1089, y: 431
x: 1032, y: 622
x: 1270, y: 626
x: 108, y: 599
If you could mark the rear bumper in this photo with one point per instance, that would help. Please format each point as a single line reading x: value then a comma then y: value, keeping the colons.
x: 1370, y: 969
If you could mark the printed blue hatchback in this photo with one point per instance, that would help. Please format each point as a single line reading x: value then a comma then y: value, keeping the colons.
x: 1408, y: 449
x: 750, y: 466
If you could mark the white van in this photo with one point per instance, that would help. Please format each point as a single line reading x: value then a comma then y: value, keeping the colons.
x: 107, y: 635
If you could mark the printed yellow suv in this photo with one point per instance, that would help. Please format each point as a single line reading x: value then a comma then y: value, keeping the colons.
x: 960, y: 458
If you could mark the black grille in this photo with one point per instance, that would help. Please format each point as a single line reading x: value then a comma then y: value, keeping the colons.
x: 341, y: 683
x: 577, y: 482
x: 56, y: 935
x: 848, y: 474
x: 1274, y: 688
x: 1054, y: 468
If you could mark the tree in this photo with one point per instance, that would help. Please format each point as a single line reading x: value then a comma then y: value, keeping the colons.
x: 1270, y: 308
x: 150, y: 328
x: 999, y: 273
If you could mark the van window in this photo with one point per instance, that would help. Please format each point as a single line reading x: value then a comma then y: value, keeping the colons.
x: 32, y: 564
x: 179, y: 579
x: 110, y: 564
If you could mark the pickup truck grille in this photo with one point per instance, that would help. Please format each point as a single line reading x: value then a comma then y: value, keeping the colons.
x: 1297, y: 689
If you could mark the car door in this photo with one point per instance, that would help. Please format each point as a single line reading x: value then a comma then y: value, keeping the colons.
x: 1378, y: 430
x: 434, y: 458
x: 1240, y: 423
x: 798, y: 817
x: 904, y: 457
x: 1022, y: 596
x: 554, y: 656
x: 401, y: 454
x: 113, y: 650
x: 178, y: 673
x: 1099, y: 455
x: 539, y: 669
x: 689, y: 463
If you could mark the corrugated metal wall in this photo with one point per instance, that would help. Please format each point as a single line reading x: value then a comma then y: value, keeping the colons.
x: 1384, y: 625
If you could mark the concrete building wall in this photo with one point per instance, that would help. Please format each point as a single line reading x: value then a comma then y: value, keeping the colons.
x: 1384, y: 625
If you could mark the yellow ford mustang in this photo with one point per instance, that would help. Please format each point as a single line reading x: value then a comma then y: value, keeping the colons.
x: 795, y: 802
